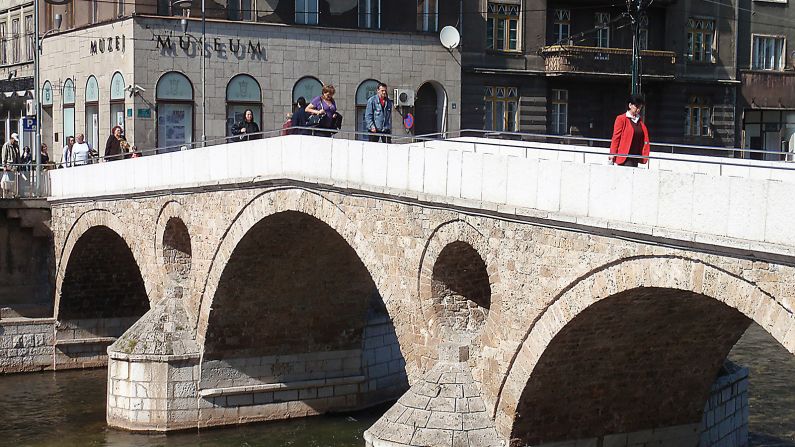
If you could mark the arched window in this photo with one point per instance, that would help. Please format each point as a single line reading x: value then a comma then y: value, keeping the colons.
x: 174, y: 96
x: 68, y: 109
x: 308, y: 87
x: 92, y: 111
x: 46, y: 115
x: 117, y: 100
x: 365, y: 91
x: 243, y: 92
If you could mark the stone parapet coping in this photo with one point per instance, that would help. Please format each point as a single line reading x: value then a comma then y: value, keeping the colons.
x: 643, y: 232
x: 150, y: 357
x: 280, y: 386
x: 85, y: 341
x: 23, y: 320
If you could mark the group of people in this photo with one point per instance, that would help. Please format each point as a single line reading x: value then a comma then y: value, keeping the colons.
x: 78, y: 151
x: 321, y: 117
x: 13, y: 160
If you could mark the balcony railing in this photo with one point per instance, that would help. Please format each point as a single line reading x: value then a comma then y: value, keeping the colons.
x: 560, y: 59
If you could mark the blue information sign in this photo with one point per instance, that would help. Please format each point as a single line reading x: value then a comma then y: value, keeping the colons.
x: 29, y: 123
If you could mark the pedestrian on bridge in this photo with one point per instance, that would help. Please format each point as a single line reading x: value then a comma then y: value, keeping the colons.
x: 247, y: 129
x: 378, y: 115
x: 630, y: 136
x: 9, y: 158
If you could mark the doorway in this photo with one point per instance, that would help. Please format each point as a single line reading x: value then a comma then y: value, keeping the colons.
x: 429, y: 109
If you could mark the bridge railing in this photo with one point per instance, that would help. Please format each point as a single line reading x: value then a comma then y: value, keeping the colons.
x: 742, y: 157
x: 20, y: 181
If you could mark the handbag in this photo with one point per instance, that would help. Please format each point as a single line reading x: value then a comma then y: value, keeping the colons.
x: 314, y: 120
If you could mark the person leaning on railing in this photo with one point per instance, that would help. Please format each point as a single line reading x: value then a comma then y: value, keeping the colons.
x: 9, y: 158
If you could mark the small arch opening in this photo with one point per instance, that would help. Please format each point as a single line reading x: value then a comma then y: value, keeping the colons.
x: 177, y: 250
x: 460, y: 290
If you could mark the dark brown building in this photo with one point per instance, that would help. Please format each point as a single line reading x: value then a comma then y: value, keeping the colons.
x: 563, y: 67
x: 766, y: 103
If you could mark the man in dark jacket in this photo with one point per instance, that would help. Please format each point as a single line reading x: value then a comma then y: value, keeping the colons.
x: 247, y: 129
x: 299, y: 117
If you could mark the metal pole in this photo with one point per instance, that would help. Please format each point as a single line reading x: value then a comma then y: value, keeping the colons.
x: 204, y: 80
x: 635, y: 56
x: 636, y: 9
x: 36, y: 98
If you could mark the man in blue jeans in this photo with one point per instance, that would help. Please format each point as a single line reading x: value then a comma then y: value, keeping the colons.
x: 378, y: 115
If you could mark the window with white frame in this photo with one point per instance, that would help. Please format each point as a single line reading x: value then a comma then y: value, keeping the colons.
x: 768, y: 53
x: 560, y: 112
x: 501, y: 105
x: 15, y: 38
x: 502, y: 27
x: 701, y: 40
x: 94, y: 16
x: 698, y: 116
x: 427, y: 15
x: 242, y: 9
x: 370, y: 14
x: 120, y: 8
x: 3, y: 44
x: 30, y: 37
x: 561, y: 26
x: 602, y: 26
x: 306, y: 12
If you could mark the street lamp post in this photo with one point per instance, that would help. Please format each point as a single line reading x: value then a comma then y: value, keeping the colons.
x: 37, y: 88
x: 185, y: 4
x: 636, y: 9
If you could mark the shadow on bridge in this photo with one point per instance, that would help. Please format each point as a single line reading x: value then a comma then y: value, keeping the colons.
x: 297, y: 327
x: 102, y: 295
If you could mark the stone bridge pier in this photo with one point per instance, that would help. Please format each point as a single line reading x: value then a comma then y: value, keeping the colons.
x: 283, y: 297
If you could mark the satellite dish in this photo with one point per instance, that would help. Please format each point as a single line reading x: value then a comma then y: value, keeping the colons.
x: 450, y: 37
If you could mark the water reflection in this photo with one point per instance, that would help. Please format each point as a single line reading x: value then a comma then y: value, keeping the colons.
x: 771, y: 394
x: 68, y: 409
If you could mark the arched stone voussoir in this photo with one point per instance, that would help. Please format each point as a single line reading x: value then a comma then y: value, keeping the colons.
x: 104, y: 218
x: 663, y: 272
x: 279, y: 200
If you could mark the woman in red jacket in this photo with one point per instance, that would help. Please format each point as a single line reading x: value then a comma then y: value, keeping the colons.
x: 630, y: 136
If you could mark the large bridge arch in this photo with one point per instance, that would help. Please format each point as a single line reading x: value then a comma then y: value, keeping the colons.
x: 295, y: 306
x: 90, y: 220
x: 101, y: 291
x: 642, y: 287
x: 275, y: 201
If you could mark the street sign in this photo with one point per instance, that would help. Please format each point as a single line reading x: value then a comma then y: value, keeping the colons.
x: 29, y: 124
x: 408, y: 121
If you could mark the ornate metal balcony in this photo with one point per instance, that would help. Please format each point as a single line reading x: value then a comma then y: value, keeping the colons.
x: 570, y: 59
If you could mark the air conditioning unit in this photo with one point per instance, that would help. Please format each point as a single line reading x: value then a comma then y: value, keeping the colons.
x: 404, y: 97
x: 30, y: 108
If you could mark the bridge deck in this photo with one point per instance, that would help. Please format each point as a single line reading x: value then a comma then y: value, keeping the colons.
x: 732, y: 203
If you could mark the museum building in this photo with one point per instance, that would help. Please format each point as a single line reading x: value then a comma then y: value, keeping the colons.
x: 143, y: 69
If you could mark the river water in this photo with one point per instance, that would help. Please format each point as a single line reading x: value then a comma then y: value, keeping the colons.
x: 67, y: 408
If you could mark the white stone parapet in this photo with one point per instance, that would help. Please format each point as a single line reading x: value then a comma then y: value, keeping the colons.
x: 741, y: 204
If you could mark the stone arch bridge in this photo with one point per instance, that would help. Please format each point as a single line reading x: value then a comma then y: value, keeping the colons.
x: 527, y: 294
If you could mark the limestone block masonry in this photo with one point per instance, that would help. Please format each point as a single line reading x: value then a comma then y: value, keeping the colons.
x: 725, y: 421
x: 620, y: 303
x: 26, y: 344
